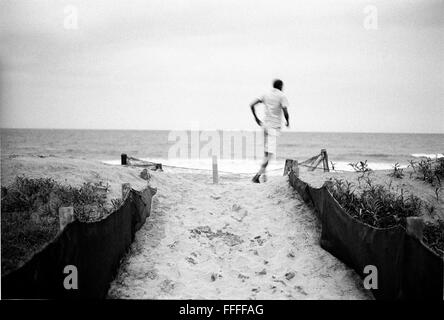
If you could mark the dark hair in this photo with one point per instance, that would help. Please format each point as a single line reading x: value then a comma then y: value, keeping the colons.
x: 278, y: 84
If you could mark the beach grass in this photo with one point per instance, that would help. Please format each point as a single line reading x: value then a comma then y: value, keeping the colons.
x: 384, y: 205
x: 429, y: 170
x: 374, y: 204
x: 30, y: 219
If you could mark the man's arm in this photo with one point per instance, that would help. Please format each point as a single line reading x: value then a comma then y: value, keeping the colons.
x: 253, y: 105
x: 287, y: 117
x: 284, y: 105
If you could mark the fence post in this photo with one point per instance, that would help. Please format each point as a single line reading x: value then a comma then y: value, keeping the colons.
x: 215, y: 172
x: 325, y: 160
x: 415, y: 227
x: 66, y: 216
x: 288, y: 165
x: 295, y: 168
x: 126, y: 188
x: 123, y: 159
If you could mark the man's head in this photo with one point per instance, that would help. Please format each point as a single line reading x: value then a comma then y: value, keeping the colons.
x: 278, y: 84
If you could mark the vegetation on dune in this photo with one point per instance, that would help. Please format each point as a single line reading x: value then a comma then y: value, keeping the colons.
x: 21, y: 237
x: 397, y: 171
x: 383, y: 207
x: 428, y: 170
x: 360, y: 167
x: 379, y: 206
x: 29, y: 213
x: 375, y: 205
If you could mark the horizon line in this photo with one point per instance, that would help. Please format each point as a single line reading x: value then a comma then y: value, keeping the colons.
x: 283, y: 131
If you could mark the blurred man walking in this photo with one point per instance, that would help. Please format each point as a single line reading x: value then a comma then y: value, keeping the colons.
x: 275, y: 103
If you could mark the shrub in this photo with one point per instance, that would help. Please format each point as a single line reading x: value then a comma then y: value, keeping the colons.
x: 26, y: 194
x: 29, y: 216
x: 21, y: 237
x: 380, y: 207
x: 397, y: 171
x: 428, y: 170
x: 439, y: 167
x: 375, y: 205
x: 360, y: 166
x: 85, y: 199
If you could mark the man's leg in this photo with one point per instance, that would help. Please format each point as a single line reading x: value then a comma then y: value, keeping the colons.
x: 264, y: 165
x: 267, y: 158
x: 264, y: 161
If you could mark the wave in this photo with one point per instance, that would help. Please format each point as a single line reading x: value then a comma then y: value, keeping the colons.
x: 351, y: 155
x: 428, y: 155
x: 377, y: 155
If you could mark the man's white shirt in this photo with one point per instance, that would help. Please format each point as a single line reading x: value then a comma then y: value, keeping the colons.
x: 274, y: 101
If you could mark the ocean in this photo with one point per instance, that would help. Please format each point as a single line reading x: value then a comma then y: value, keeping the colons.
x: 381, y: 150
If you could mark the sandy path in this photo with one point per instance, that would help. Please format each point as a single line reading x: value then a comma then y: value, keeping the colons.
x: 234, y: 240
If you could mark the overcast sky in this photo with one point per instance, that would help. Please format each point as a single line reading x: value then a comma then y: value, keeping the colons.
x: 172, y: 64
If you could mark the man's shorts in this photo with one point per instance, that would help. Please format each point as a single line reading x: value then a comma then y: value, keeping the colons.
x: 270, y: 140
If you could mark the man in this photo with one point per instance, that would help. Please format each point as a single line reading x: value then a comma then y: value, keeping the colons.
x: 275, y: 103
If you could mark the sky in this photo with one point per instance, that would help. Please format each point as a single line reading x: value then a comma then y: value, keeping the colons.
x: 176, y: 64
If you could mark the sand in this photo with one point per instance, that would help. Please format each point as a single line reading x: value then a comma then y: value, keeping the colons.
x: 233, y: 240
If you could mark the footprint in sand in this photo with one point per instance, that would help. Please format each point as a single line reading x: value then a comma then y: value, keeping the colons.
x: 279, y: 281
x: 191, y: 260
x: 290, y: 275
x: 173, y: 245
x: 258, y: 239
x: 239, y: 216
x: 167, y: 286
x: 262, y: 273
x: 243, y: 277
x: 215, y: 276
x: 152, y: 274
x: 301, y: 290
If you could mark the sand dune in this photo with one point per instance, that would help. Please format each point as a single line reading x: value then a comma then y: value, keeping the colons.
x: 234, y: 240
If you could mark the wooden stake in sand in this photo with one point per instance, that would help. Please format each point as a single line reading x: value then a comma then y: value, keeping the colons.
x: 291, y: 165
x: 215, y: 173
x: 123, y: 159
x: 66, y: 216
x: 325, y: 160
x: 295, y: 168
x: 415, y: 227
x: 287, y: 167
